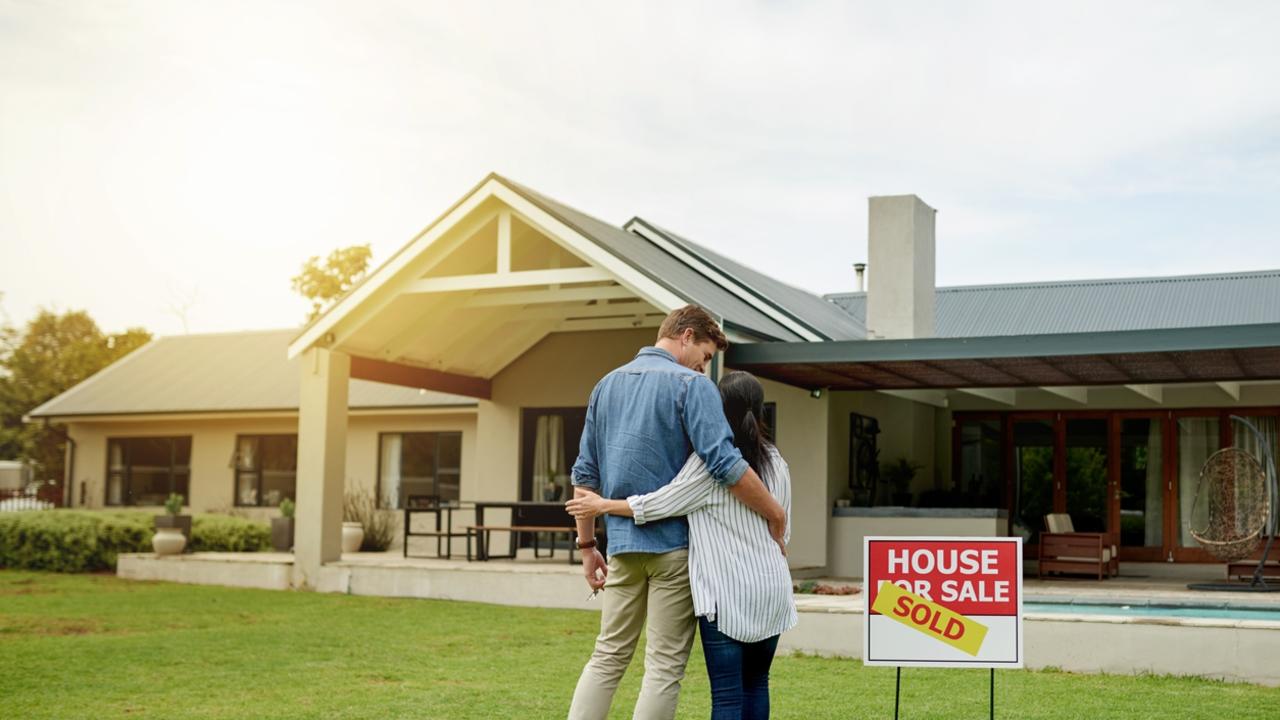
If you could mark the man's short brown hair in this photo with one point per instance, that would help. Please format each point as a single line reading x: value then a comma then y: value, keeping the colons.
x: 700, y: 321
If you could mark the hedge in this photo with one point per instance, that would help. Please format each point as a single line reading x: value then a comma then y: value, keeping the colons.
x: 84, y: 540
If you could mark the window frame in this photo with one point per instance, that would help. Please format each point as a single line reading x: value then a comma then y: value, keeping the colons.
x: 257, y: 469
x: 435, y: 460
x: 126, y: 472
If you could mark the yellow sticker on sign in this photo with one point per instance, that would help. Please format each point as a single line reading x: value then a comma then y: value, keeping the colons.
x: 930, y: 618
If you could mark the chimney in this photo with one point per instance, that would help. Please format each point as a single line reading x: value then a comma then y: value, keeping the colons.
x: 900, y: 293
x: 860, y: 269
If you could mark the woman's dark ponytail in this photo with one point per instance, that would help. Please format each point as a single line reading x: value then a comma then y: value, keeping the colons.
x: 743, y: 398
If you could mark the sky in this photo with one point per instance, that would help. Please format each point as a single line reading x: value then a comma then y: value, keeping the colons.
x: 171, y: 165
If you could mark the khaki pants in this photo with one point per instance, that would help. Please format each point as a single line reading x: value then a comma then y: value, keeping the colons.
x: 640, y: 585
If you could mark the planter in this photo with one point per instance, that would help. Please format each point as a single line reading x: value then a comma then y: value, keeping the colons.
x: 168, y: 541
x: 352, y: 536
x: 180, y: 522
x: 282, y: 534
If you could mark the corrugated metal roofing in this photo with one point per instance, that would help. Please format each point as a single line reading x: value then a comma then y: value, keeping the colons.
x: 216, y: 372
x: 661, y: 267
x: 1243, y: 298
x: 807, y: 308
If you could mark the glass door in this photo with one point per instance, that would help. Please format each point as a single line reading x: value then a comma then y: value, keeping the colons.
x: 1088, y: 473
x: 1140, y: 488
x: 1032, y: 469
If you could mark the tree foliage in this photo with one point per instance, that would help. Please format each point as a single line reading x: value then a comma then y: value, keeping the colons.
x: 324, y: 283
x: 53, y: 353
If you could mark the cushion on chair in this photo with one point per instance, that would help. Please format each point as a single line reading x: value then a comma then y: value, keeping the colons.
x: 1058, y: 523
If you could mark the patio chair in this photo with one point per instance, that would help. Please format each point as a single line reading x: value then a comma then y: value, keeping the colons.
x: 1064, y: 550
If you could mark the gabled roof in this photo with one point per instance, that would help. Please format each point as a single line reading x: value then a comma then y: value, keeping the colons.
x: 1242, y: 298
x: 663, y: 268
x: 820, y: 316
x: 217, y: 372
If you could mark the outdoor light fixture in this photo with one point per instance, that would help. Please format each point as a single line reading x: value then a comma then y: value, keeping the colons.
x: 815, y: 393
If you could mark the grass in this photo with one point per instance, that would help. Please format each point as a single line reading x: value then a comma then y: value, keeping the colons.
x: 75, y: 646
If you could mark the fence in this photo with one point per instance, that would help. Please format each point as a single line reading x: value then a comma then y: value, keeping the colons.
x: 40, y: 497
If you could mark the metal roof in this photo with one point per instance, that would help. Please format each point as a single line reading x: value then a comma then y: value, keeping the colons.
x: 217, y: 372
x: 812, y: 311
x: 662, y: 267
x: 1240, y: 298
x: 1202, y: 354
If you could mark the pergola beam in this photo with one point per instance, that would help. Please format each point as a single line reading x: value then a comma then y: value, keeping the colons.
x: 936, y: 398
x: 546, y: 297
x: 523, y: 278
x: 1074, y: 394
x: 635, y: 321
x: 363, y: 368
x: 1154, y: 393
x: 1004, y: 396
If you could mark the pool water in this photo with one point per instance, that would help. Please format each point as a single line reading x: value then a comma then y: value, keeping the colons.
x: 1177, y: 611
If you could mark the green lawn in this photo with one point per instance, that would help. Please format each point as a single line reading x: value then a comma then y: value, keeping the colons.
x: 95, y: 646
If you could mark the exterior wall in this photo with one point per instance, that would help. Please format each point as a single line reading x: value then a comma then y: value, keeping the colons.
x: 213, y: 442
x: 802, y: 439
x: 907, y: 429
x: 560, y: 371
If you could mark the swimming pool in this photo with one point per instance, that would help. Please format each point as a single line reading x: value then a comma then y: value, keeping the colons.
x: 1145, y: 610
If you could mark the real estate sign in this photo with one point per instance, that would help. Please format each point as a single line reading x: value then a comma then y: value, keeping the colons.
x: 942, y: 602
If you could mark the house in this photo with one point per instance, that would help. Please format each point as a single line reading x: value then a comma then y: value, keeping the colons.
x: 1100, y: 398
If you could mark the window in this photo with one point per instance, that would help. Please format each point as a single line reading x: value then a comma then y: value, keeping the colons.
x: 770, y: 421
x: 419, y: 469
x: 144, y: 471
x: 550, y: 439
x: 266, y: 468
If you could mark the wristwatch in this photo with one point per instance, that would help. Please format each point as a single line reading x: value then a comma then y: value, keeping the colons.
x: 587, y: 544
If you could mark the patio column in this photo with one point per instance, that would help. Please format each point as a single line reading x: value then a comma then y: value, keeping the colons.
x: 322, y: 461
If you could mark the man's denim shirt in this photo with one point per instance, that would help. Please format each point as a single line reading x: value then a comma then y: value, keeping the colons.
x: 642, y: 422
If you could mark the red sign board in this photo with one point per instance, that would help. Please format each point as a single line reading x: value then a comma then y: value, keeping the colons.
x: 946, y: 601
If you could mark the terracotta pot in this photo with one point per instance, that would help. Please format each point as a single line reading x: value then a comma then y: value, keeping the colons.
x: 168, y: 541
x: 352, y: 536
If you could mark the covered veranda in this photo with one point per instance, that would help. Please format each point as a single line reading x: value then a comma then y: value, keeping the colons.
x: 478, y: 289
x: 1110, y: 427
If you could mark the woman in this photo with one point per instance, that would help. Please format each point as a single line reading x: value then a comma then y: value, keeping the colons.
x: 740, y: 581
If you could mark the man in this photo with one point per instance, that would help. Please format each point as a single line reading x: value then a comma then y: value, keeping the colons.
x: 643, y: 420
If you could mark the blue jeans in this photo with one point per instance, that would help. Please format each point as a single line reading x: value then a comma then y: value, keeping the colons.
x: 739, y: 673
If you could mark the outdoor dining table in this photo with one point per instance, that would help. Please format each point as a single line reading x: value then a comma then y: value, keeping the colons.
x: 482, y: 552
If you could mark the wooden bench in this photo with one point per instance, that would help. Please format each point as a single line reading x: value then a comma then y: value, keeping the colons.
x: 1076, y: 553
x: 1063, y: 550
x: 1244, y: 569
x: 516, y: 531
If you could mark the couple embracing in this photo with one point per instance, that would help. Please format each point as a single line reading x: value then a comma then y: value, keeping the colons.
x: 697, y: 503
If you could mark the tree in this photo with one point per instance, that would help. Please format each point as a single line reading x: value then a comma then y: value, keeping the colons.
x: 54, y: 353
x: 322, y: 284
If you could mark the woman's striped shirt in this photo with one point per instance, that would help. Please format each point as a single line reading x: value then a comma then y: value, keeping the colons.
x: 738, y: 575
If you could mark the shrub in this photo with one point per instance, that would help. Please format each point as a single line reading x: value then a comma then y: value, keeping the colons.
x: 71, y: 540
x: 220, y: 533
x: 88, y: 540
x: 379, y: 525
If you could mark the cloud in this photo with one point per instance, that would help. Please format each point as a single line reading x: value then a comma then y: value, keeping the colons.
x: 222, y: 144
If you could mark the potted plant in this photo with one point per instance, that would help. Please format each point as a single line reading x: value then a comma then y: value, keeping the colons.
x: 352, y: 527
x: 282, y: 527
x: 173, y: 531
x: 899, y: 475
